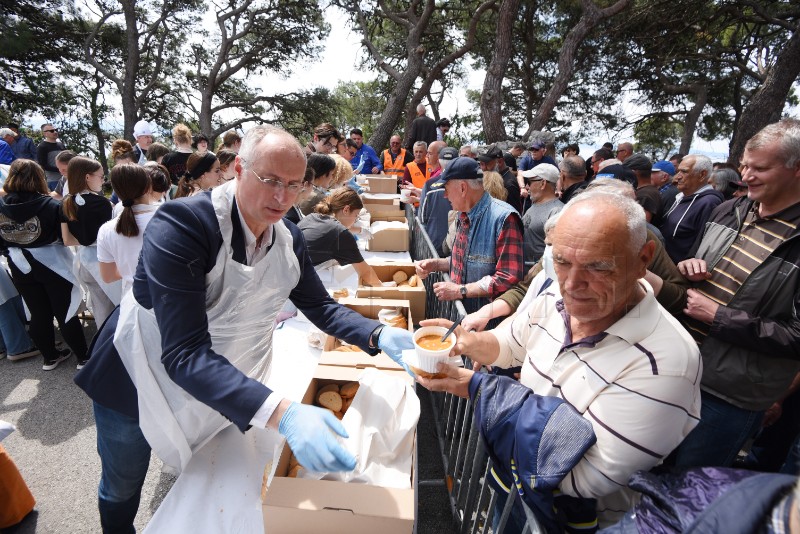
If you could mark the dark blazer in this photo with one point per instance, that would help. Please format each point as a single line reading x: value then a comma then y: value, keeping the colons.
x: 180, y: 247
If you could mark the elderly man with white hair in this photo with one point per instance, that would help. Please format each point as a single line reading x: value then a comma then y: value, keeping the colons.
x: 696, y: 199
x: 600, y: 343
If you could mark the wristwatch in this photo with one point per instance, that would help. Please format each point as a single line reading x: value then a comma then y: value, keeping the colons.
x: 373, y: 337
x: 463, y: 292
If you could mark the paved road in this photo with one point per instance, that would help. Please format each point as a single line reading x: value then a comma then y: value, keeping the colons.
x: 54, y: 448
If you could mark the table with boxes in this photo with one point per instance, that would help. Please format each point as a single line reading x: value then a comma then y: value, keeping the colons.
x: 226, y: 488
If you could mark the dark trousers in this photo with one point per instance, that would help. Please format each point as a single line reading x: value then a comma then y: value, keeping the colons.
x: 47, y: 296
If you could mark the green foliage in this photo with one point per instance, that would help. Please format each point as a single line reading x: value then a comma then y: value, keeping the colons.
x: 657, y: 137
x: 359, y: 105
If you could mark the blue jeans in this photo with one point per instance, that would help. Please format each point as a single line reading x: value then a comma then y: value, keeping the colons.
x: 124, y: 456
x: 717, y: 439
x: 13, y: 336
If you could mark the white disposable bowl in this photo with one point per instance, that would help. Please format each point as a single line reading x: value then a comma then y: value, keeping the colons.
x: 429, y: 359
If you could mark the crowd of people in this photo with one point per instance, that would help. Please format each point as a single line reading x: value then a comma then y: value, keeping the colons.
x: 652, y: 305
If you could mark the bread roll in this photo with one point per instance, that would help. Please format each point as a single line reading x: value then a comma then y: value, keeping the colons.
x: 329, y: 387
x: 413, y: 281
x: 341, y: 293
x: 400, y: 276
x: 294, y: 470
x: 399, y: 322
x: 339, y: 415
x: 346, y: 404
x: 330, y: 400
x: 348, y: 390
x: 425, y: 374
x: 347, y: 348
x: 293, y: 461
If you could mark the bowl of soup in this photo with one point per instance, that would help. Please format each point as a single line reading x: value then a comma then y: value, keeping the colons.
x: 430, y: 350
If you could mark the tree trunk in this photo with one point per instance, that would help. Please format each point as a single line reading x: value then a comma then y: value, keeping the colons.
x: 394, y: 108
x: 492, y: 96
x: 95, y: 128
x: 566, y: 59
x: 130, y: 110
x: 690, y: 123
x: 766, y: 105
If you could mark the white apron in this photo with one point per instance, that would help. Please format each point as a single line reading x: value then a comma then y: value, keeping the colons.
x: 87, y: 258
x: 242, y: 303
x: 58, y: 259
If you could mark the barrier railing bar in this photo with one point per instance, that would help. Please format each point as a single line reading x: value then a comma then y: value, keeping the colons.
x: 461, y: 447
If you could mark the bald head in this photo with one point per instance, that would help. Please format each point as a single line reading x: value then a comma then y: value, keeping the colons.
x: 599, y: 253
x: 265, y: 139
x: 624, y: 151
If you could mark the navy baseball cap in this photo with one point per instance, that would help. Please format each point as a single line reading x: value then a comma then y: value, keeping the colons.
x: 664, y: 166
x: 462, y: 168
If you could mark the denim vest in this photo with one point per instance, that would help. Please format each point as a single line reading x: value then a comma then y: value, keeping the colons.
x: 486, y: 220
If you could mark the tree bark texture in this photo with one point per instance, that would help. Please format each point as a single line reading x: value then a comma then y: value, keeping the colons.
x: 766, y: 105
x: 690, y: 122
x: 566, y: 59
x: 492, y: 96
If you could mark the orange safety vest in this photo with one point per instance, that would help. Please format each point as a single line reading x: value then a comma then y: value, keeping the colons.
x: 397, y: 167
x: 417, y: 177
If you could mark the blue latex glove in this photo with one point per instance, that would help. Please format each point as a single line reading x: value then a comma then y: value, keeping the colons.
x: 393, y: 341
x: 361, y: 164
x: 353, y: 184
x: 309, y: 432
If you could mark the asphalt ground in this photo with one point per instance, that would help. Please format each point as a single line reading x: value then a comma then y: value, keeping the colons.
x: 54, y: 448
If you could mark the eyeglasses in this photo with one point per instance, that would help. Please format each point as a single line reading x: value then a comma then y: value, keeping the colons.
x: 352, y: 152
x: 328, y: 143
x: 276, y: 185
x: 529, y: 181
x: 50, y: 131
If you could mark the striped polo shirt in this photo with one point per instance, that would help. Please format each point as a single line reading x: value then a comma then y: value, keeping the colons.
x: 757, y: 239
x: 638, y: 383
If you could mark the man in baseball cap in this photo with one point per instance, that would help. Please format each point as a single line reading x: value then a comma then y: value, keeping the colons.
x: 540, y: 182
x: 486, y: 227
x: 661, y: 176
x: 493, y: 160
x: 433, y: 205
x: 143, y: 134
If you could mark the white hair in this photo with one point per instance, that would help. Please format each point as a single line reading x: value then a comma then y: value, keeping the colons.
x: 612, y: 185
x: 634, y: 213
x: 420, y: 108
x: 423, y: 144
x: 702, y: 163
x: 475, y: 184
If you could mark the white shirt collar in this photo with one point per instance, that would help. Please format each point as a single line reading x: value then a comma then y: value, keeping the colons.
x: 250, y: 240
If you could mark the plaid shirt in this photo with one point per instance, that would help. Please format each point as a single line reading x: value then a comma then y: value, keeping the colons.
x: 510, y: 266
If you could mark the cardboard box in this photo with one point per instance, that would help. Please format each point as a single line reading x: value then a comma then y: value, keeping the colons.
x: 385, y: 269
x: 369, y: 308
x: 391, y: 239
x: 379, y: 183
x: 297, y: 505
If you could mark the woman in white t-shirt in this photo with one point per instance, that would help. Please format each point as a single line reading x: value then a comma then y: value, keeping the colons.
x: 119, y: 241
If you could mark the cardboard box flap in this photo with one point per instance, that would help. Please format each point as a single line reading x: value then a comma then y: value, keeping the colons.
x: 359, y: 360
x: 359, y: 499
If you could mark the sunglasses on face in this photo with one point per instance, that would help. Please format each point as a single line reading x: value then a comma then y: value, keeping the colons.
x: 50, y: 131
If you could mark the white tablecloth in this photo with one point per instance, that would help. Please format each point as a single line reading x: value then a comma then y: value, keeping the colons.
x: 220, y: 489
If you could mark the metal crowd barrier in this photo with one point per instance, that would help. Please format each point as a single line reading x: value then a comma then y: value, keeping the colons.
x: 466, y: 463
